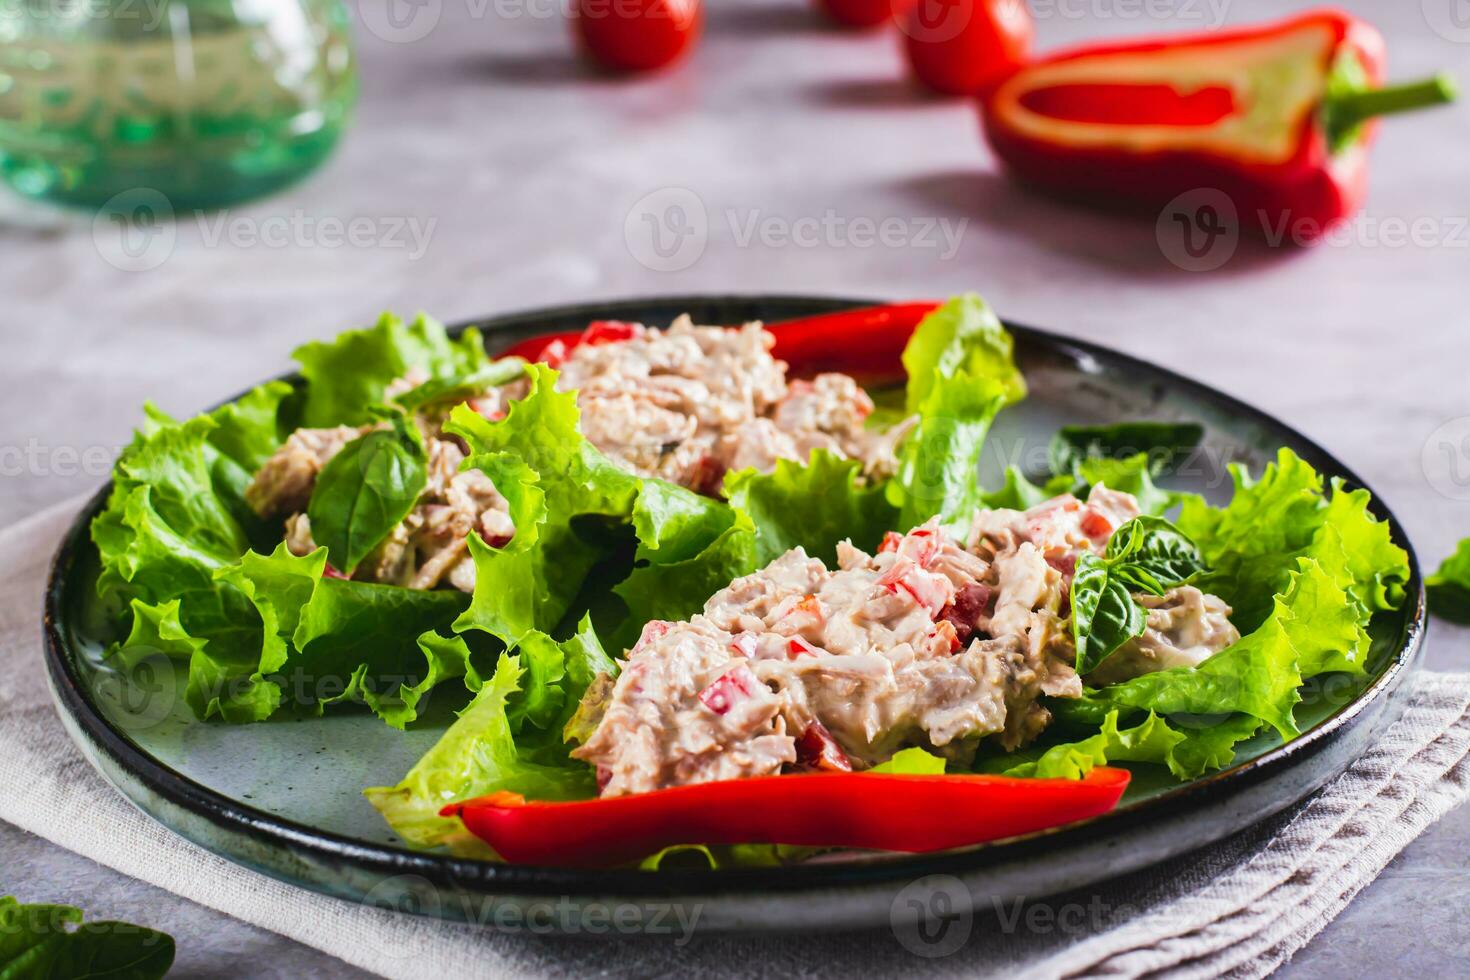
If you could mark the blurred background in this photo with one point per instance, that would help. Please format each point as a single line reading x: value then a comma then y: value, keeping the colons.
x: 465, y: 157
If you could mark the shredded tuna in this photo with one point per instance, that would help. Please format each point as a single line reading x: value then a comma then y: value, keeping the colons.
x: 687, y: 404
x: 852, y: 664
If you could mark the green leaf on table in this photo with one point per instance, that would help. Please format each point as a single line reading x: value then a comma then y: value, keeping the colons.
x: 1449, y: 586
x: 52, y: 941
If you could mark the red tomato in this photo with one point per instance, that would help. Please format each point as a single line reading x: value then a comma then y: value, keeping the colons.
x: 961, y: 47
x: 863, y: 13
x: 637, y: 35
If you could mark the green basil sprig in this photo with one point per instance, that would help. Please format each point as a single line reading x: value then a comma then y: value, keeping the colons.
x: 458, y: 387
x: 1148, y: 554
x: 366, y: 490
x: 52, y: 941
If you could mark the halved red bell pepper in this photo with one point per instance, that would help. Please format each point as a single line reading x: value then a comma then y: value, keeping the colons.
x: 866, y: 341
x: 1277, y: 116
x: 876, y: 811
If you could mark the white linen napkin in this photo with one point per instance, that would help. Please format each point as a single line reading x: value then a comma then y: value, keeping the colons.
x: 1238, y: 908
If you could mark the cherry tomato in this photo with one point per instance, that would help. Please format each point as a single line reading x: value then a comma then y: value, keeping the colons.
x: 863, y: 13
x: 637, y: 35
x: 961, y: 47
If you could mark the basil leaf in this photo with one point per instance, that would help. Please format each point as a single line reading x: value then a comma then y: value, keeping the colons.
x: 460, y: 387
x: 1148, y: 554
x: 365, y: 491
x: 1152, y: 555
x: 1165, y: 443
x: 1104, y: 615
x: 52, y: 941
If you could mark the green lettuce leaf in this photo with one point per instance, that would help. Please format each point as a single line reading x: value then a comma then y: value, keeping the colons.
x: 1449, y: 586
x: 812, y: 506
x: 963, y: 336
x: 173, y: 519
x: 1252, y: 545
x: 347, y: 376
x: 911, y: 762
x: 1188, y: 752
x: 508, y: 738
x: 330, y: 640
x: 939, y: 460
x: 552, y: 478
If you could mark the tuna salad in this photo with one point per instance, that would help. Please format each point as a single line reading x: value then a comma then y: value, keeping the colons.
x: 687, y: 404
x: 925, y: 643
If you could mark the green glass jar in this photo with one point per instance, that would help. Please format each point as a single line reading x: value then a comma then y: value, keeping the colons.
x: 207, y: 102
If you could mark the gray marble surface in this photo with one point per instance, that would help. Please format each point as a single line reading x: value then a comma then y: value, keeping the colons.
x: 530, y: 180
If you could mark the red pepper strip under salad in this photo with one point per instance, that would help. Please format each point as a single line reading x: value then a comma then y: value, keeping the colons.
x: 862, y: 341
x: 878, y: 811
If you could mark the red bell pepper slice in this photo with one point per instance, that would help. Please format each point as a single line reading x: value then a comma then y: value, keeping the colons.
x: 863, y: 342
x: 1271, y: 115
x: 875, y: 811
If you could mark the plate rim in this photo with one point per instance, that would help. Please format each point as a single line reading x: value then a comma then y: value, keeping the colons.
x: 459, y: 874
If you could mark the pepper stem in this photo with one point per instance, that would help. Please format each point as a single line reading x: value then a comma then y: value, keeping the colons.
x: 1354, y: 107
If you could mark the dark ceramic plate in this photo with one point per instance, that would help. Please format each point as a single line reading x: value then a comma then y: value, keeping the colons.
x: 284, y: 797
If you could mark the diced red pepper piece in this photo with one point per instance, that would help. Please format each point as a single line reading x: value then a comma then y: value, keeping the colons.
x: 652, y: 630
x: 1066, y: 564
x: 554, y: 354
x: 1095, y: 524
x: 730, y: 688
x: 608, y: 331
x: 331, y: 571
x: 797, y: 647
x: 945, y: 630
x: 817, y: 749
x: 827, y: 809
x: 709, y: 476
x: 971, y: 604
